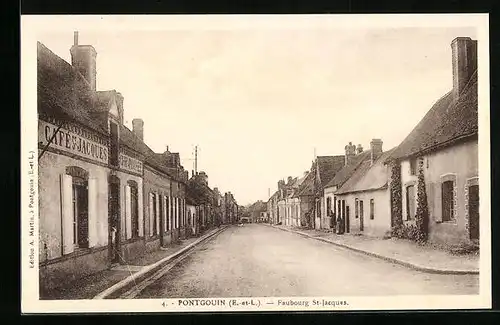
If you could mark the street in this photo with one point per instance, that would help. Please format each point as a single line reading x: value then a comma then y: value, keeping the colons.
x: 258, y: 260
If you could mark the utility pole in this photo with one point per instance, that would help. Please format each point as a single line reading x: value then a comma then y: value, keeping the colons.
x: 196, y: 159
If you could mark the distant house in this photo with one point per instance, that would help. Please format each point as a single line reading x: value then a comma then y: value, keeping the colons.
x: 445, y: 144
x: 305, y: 195
x: 326, y: 168
x: 354, y: 157
x: 289, y: 203
x: 272, y: 208
x: 364, y: 199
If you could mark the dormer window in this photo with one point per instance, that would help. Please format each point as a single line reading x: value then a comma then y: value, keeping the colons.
x: 114, y: 144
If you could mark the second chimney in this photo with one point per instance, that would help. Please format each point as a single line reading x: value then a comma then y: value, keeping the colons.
x: 138, y: 128
x: 376, y: 149
x: 359, y: 149
x: 464, y: 62
x: 83, y: 59
x: 350, y: 151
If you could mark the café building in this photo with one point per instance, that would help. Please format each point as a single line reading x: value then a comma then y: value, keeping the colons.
x: 90, y: 172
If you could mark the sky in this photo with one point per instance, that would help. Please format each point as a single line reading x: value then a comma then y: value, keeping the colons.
x: 260, y: 103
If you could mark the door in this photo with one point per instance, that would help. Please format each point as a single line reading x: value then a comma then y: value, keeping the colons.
x: 361, y: 216
x: 474, y: 212
x: 80, y: 213
x: 347, y: 219
x: 114, y: 222
x: 134, y: 211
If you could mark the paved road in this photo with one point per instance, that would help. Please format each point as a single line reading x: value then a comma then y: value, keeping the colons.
x: 257, y: 260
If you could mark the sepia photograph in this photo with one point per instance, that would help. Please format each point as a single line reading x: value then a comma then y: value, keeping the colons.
x: 255, y: 163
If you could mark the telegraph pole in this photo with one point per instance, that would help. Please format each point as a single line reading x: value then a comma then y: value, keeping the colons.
x: 195, y: 159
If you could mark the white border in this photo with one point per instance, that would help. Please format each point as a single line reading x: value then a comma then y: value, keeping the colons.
x: 31, y: 25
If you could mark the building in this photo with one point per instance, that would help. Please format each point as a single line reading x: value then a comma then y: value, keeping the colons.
x: 354, y: 157
x: 443, y: 147
x: 230, y: 208
x: 364, y: 199
x: 218, y: 207
x: 325, y: 169
x: 198, y: 188
x: 306, y: 198
x: 272, y: 208
x: 90, y: 171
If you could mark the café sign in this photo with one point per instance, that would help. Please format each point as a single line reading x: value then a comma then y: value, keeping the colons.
x: 130, y: 164
x: 74, y: 140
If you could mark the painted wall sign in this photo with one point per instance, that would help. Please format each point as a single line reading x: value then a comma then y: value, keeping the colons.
x: 75, y: 140
x: 130, y: 164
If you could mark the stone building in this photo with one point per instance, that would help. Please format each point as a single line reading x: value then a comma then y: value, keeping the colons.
x: 90, y: 171
x: 445, y: 144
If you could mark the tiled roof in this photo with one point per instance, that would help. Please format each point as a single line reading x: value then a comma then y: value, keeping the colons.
x: 328, y: 167
x: 367, y: 176
x: 345, y: 172
x: 62, y: 91
x: 64, y: 94
x: 306, y: 188
x: 447, y: 121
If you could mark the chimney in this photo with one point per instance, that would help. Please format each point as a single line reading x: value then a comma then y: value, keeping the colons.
x: 350, y: 151
x: 281, y: 183
x: 359, y: 149
x: 376, y: 149
x: 192, y: 173
x: 138, y: 128
x: 464, y: 62
x: 83, y: 59
x: 119, y: 103
x: 290, y: 179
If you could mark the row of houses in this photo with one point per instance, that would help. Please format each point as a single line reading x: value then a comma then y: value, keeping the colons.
x: 429, y: 182
x: 105, y: 197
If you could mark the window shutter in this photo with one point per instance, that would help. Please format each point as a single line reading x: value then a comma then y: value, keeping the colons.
x: 141, y: 211
x: 157, y: 219
x: 437, y: 203
x: 164, y: 216
x: 151, y: 214
x: 67, y: 213
x: 128, y: 213
x: 93, y: 213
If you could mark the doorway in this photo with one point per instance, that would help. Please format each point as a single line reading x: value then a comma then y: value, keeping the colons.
x: 347, y: 221
x: 474, y: 212
x: 114, y: 219
x: 361, y: 216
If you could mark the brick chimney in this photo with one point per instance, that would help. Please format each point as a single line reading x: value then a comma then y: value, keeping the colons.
x: 350, y: 151
x: 376, y: 149
x: 464, y: 62
x: 83, y: 58
x: 138, y: 128
x: 119, y: 104
x: 359, y: 149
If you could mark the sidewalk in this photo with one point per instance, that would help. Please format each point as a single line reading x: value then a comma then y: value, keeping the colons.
x: 90, y: 286
x: 403, y: 252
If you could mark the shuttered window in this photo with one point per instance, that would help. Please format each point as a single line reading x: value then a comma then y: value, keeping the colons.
x: 447, y: 202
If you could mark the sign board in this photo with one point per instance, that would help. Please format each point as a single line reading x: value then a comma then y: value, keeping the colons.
x: 74, y: 140
x: 130, y: 164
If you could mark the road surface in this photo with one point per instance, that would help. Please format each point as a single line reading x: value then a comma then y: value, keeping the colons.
x: 259, y: 261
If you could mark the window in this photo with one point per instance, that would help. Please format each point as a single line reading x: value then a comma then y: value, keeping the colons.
x: 356, y: 208
x: 80, y: 214
x: 413, y: 166
x: 167, y: 208
x: 361, y: 209
x: 372, y: 209
x: 153, y: 214
x: 134, y: 202
x: 447, y: 201
x: 114, y: 146
x: 410, y: 202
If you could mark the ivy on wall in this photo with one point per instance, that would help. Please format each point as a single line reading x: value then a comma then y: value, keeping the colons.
x: 396, y: 197
x: 419, y: 230
x: 422, y: 213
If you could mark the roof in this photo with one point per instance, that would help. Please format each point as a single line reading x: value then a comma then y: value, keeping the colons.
x: 367, y: 176
x: 446, y: 122
x: 328, y: 166
x: 198, y: 192
x: 63, y: 93
x: 306, y: 188
x: 345, y: 172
